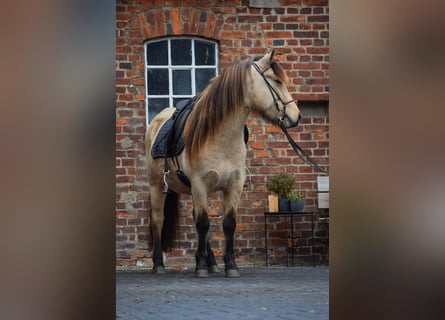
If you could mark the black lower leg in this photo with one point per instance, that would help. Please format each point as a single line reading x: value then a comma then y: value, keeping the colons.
x: 158, y: 260
x: 202, y: 227
x: 229, y: 225
x: 211, y: 261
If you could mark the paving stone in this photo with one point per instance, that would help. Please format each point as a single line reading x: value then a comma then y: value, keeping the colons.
x: 261, y: 293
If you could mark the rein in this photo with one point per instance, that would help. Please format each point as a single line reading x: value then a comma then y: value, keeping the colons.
x: 300, y: 152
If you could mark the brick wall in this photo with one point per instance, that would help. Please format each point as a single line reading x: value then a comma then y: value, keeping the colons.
x: 299, y: 31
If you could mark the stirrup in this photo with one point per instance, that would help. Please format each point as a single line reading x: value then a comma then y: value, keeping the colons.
x: 166, y: 172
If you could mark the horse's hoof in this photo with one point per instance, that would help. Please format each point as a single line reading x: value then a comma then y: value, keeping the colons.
x: 158, y: 270
x: 202, y: 273
x: 232, y: 273
x: 214, y: 269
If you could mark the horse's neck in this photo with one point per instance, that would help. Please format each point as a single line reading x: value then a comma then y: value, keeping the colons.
x: 233, y: 130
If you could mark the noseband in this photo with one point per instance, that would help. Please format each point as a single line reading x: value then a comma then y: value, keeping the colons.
x: 275, y: 95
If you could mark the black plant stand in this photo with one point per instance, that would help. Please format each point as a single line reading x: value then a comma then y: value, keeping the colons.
x: 290, y: 214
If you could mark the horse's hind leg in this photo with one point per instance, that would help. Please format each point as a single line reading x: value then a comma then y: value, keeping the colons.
x: 157, y: 221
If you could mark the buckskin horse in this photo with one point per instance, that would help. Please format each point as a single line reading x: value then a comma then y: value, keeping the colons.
x: 211, y: 154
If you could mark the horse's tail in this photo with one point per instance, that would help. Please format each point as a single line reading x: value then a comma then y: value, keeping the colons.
x: 171, y: 216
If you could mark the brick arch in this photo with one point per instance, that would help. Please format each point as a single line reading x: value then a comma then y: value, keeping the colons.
x: 180, y: 21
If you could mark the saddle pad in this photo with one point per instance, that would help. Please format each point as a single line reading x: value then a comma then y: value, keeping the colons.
x: 170, y: 142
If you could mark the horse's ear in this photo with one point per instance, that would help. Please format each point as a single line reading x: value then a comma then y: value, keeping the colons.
x: 266, y: 61
x: 272, y: 53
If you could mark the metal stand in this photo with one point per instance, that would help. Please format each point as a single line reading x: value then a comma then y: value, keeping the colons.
x: 290, y: 237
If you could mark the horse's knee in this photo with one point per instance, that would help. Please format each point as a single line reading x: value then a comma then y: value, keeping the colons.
x: 202, y: 223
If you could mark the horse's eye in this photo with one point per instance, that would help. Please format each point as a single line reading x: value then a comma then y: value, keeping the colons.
x: 277, y: 81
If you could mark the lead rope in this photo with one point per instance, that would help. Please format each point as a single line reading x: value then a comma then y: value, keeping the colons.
x: 300, y: 152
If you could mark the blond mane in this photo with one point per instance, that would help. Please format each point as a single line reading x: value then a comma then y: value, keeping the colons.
x: 221, y: 99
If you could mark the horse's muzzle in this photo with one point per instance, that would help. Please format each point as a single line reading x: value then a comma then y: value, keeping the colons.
x: 292, y: 124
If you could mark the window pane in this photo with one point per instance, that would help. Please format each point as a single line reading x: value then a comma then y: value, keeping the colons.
x: 155, y: 106
x: 181, y: 52
x: 182, y: 82
x: 204, y: 53
x: 157, y: 53
x: 202, y: 77
x: 157, y: 81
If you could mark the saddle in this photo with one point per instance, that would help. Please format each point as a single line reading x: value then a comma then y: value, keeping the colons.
x: 170, y: 142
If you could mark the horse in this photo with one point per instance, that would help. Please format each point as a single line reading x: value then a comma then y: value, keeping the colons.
x: 214, y: 154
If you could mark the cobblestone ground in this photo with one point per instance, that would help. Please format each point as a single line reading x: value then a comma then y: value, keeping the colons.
x: 261, y: 293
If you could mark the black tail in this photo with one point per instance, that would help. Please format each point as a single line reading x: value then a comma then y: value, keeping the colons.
x: 171, y: 216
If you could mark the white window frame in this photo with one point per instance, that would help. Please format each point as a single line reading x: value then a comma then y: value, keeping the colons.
x: 171, y: 68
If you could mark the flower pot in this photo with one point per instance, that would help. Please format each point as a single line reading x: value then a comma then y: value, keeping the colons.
x: 297, y: 206
x: 283, y: 204
x: 273, y: 203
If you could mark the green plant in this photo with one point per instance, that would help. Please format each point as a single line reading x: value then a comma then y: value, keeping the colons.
x: 296, y: 195
x: 281, y: 184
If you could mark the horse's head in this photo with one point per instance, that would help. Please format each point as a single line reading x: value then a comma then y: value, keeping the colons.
x: 268, y: 92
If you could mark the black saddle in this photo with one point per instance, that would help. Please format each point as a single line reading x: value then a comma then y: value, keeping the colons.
x: 170, y: 142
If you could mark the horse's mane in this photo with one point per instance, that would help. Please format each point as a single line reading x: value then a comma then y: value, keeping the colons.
x: 222, y: 97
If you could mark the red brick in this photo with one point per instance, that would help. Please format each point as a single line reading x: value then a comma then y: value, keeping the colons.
x: 278, y: 34
x: 292, y: 18
x: 210, y: 25
x: 318, y: 19
x: 143, y: 24
x: 123, y: 17
x: 176, y: 21
x: 257, y: 145
x: 233, y: 35
x: 317, y: 50
x: 261, y: 154
x: 160, y: 22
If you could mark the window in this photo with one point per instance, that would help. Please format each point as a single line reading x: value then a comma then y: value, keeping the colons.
x: 176, y: 69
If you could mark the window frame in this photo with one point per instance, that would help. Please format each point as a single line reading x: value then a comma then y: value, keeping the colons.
x: 192, y: 67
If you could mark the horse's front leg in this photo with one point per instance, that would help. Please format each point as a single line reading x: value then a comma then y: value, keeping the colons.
x: 205, y: 258
x: 229, y: 226
x: 211, y: 260
x: 231, y: 200
x: 202, y: 227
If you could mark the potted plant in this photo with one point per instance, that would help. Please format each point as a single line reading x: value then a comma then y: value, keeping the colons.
x: 296, y: 201
x: 282, y: 184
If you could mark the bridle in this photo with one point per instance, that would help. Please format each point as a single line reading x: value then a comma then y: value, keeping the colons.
x: 303, y: 155
x: 275, y: 95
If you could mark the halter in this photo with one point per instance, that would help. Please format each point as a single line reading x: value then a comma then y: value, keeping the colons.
x: 275, y: 95
x: 303, y: 155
